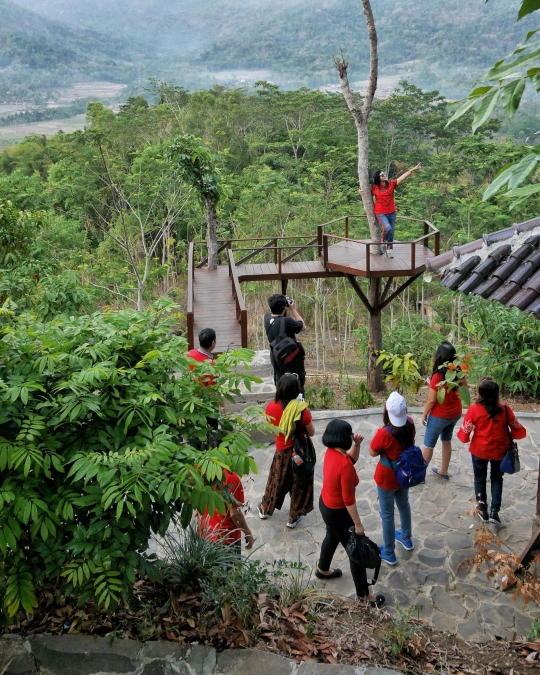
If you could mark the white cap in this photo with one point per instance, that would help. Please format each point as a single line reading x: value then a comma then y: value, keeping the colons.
x: 397, y: 409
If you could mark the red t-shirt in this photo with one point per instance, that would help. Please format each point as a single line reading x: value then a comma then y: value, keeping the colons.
x: 385, y: 441
x: 451, y: 407
x: 339, y: 480
x: 196, y: 355
x: 384, y: 197
x: 221, y: 527
x: 489, y: 436
x: 275, y: 411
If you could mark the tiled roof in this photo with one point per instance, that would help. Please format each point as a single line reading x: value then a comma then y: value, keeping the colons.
x: 502, y: 266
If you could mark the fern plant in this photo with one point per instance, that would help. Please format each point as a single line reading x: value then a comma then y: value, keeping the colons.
x: 101, y: 420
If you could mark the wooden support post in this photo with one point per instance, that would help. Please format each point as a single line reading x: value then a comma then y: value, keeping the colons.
x: 284, y: 283
x: 413, y: 256
x: 275, y: 250
x: 279, y: 260
x: 320, y: 230
x: 346, y: 227
x: 359, y: 292
x: 368, y: 259
x: 437, y: 242
x: 399, y: 290
x: 386, y: 287
x: 325, y: 251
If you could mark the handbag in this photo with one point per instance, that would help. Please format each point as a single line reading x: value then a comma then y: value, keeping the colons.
x: 303, y: 456
x: 510, y: 462
x: 364, y: 552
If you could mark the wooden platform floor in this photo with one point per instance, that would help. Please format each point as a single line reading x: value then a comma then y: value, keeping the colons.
x: 349, y: 257
x: 214, y: 307
x: 309, y: 269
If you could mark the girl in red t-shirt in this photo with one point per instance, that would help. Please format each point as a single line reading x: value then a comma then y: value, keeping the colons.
x: 490, y: 423
x: 282, y: 480
x: 396, y: 435
x: 337, y: 504
x: 441, y: 418
x: 382, y: 191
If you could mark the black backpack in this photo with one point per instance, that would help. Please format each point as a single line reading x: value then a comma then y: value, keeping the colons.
x: 284, y: 348
x: 365, y: 553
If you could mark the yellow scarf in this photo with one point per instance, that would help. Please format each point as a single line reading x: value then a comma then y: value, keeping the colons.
x: 291, y: 415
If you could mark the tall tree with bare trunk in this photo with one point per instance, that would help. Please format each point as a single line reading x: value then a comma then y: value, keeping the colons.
x: 360, y: 110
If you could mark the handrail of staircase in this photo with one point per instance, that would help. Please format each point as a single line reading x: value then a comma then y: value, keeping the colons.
x: 189, y: 313
x: 241, y: 312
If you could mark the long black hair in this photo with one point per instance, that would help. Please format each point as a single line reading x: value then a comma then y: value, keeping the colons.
x: 404, y: 434
x: 488, y: 396
x: 446, y: 353
x: 288, y: 388
x: 377, y: 177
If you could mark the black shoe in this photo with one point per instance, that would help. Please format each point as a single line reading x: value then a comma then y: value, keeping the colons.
x: 336, y: 572
x: 378, y: 602
x: 483, y: 515
x: 494, y: 517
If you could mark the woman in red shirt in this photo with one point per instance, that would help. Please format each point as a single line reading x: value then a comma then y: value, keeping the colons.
x: 385, y: 206
x: 282, y: 480
x: 397, y: 434
x: 228, y: 528
x: 441, y: 418
x: 337, y: 504
x: 490, y: 424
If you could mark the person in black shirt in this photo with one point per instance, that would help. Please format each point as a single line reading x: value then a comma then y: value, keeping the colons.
x: 278, y: 304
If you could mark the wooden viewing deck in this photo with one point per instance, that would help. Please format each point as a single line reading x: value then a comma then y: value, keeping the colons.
x: 215, y: 297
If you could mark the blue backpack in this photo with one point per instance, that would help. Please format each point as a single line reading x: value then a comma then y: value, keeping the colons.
x: 410, y: 468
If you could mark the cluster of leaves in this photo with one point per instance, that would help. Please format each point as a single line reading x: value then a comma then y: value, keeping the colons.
x: 509, y: 346
x: 100, y: 424
x: 455, y: 378
x: 401, y: 370
x: 319, y: 395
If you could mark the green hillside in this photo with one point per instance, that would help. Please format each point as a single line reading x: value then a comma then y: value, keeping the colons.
x: 39, y: 56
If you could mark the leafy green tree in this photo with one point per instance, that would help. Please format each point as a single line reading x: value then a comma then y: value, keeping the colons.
x: 100, y: 427
x: 196, y: 165
x: 505, y: 84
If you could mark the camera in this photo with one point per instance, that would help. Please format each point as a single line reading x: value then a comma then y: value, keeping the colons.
x: 289, y: 300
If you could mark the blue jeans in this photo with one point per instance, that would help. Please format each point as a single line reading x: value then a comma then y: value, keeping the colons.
x: 480, y: 467
x: 387, y: 498
x: 388, y: 223
x: 439, y: 427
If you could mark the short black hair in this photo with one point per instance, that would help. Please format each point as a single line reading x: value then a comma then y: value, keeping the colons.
x: 377, y: 177
x: 277, y: 303
x: 288, y: 388
x: 338, y: 434
x: 206, y: 337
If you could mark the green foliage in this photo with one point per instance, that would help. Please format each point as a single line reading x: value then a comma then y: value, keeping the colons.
x: 100, y: 424
x: 195, y: 164
x: 358, y: 395
x: 319, y: 395
x: 534, y: 632
x: 399, y: 635
x: 510, y: 346
x: 455, y: 377
x: 413, y: 335
x: 401, y: 370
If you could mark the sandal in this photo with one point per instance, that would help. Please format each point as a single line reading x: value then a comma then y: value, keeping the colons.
x: 336, y: 572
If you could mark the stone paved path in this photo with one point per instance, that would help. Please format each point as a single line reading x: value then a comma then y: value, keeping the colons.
x: 443, y: 532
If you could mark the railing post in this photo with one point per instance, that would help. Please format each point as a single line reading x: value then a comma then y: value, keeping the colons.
x: 243, y: 327
x: 325, y: 250
x: 346, y: 227
x: 319, y: 240
x: 413, y: 256
x: 437, y: 242
x: 279, y: 260
x: 368, y: 259
x: 275, y: 250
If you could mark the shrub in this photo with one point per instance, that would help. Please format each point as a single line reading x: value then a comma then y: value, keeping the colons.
x: 100, y: 425
x: 358, y: 396
x: 319, y: 395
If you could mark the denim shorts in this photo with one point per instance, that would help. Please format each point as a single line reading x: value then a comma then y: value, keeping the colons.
x: 439, y: 427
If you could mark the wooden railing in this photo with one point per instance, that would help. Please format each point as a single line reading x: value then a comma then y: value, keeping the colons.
x: 189, y: 313
x: 241, y: 312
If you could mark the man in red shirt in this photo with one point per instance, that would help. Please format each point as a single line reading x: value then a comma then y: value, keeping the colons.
x: 385, y: 206
x: 207, y: 344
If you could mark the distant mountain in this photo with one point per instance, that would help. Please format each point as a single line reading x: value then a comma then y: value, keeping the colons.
x: 441, y: 44
x: 39, y: 56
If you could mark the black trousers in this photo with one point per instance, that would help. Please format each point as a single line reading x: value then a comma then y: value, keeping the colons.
x: 338, y: 522
x: 298, y: 366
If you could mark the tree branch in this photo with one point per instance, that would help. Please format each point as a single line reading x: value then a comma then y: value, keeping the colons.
x: 373, y: 59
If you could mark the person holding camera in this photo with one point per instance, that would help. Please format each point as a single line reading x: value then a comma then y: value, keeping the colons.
x: 279, y: 327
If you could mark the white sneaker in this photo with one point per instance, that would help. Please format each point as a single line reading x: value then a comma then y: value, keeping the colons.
x: 389, y: 253
x: 293, y: 522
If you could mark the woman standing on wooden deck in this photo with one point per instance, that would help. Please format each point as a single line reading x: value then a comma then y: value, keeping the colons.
x: 385, y: 206
x: 291, y: 415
